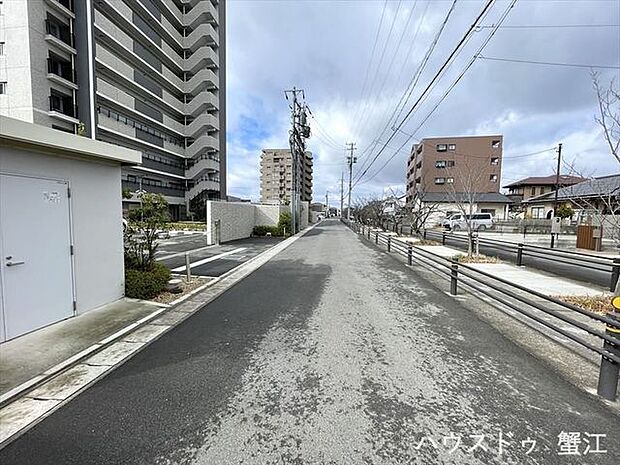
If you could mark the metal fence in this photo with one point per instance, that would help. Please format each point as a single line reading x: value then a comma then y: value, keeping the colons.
x: 583, y: 260
x: 520, y: 299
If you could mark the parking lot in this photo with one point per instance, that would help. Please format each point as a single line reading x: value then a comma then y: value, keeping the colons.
x: 213, y: 260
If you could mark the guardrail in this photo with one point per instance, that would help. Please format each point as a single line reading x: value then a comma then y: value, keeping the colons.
x: 603, y: 264
x: 506, y: 292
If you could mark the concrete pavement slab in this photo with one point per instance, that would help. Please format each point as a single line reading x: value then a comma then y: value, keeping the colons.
x: 146, y: 333
x: 114, y: 353
x: 22, y: 413
x: 67, y: 383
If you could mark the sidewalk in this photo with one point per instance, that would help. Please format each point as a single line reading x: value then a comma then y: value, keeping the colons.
x: 564, y: 242
x: 545, y: 283
x: 32, y: 355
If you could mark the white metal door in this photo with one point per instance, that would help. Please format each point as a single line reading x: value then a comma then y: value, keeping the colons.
x: 37, y: 281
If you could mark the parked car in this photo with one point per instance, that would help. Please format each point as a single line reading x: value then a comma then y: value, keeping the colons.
x: 479, y: 221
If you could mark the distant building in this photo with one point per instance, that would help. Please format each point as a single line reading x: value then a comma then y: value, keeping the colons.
x: 276, y: 176
x: 317, y: 207
x: 533, y: 186
x: 454, y: 165
x: 600, y: 194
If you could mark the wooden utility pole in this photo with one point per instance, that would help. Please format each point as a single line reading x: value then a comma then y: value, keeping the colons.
x: 557, y: 188
x: 341, y: 194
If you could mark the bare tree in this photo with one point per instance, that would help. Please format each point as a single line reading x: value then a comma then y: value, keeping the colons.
x: 418, y: 211
x: 463, y: 181
x: 609, y: 113
x: 370, y: 210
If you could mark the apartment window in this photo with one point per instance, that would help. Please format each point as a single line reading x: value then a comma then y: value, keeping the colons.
x: 533, y: 191
x: 131, y: 178
x: 56, y: 65
x: 1, y: 49
x: 494, y: 160
x: 58, y: 29
x: 495, y: 144
x: 538, y: 212
x: 449, y: 180
x: 440, y: 164
x: 440, y: 180
x: 2, y: 87
x: 451, y: 147
x: 450, y: 163
x: 493, y: 178
x: 442, y: 147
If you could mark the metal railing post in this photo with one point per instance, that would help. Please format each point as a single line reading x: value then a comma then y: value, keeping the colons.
x: 424, y: 234
x: 520, y: 255
x: 409, y: 254
x: 376, y: 237
x: 477, y: 244
x: 188, y: 270
x: 608, y: 374
x: 615, y: 274
x: 443, y: 238
x: 454, y: 279
x: 389, y: 243
x: 368, y: 232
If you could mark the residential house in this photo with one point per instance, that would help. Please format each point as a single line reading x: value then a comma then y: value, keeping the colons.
x: 534, y: 186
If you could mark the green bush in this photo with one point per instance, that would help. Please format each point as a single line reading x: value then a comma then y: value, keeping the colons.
x: 284, y: 222
x: 147, y: 284
x: 263, y: 230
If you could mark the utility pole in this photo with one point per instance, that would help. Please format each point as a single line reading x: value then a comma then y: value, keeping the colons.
x: 341, y: 194
x: 350, y: 160
x: 298, y: 134
x: 557, y: 188
x: 326, y: 204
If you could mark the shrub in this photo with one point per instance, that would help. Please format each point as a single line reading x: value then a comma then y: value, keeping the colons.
x: 263, y: 230
x: 146, y: 284
x: 284, y: 222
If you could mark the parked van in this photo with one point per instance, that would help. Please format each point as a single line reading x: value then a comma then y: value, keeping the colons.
x: 479, y: 221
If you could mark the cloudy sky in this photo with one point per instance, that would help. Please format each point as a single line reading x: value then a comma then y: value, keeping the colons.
x: 326, y: 48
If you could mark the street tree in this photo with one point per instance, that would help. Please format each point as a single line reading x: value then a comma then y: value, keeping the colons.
x: 145, y: 223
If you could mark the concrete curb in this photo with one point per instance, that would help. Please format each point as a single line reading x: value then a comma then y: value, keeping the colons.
x: 17, y: 410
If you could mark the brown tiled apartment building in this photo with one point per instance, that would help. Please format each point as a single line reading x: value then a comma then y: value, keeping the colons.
x: 276, y: 176
x: 455, y: 164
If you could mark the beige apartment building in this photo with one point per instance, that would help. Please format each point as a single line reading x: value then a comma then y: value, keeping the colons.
x: 455, y: 164
x: 276, y: 176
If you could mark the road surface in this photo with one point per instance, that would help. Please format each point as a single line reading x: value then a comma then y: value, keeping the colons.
x: 332, y: 353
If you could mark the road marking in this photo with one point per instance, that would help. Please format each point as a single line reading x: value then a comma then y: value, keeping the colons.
x: 207, y: 260
x: 178, y: 254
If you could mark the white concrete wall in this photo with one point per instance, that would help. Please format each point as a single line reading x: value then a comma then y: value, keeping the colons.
x: 236, y: 220
x: 305, y: 208
x: 96, y: 216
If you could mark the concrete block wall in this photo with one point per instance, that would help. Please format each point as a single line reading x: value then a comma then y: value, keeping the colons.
x: 237, y: 219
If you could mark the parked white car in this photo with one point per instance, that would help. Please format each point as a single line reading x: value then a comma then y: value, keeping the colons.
x: 479, y: 221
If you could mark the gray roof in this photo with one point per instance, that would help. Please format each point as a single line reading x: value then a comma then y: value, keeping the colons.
x: 595, y: 187
x: 452, y: 197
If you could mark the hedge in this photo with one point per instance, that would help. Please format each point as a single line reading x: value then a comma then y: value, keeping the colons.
x: 147, y: 284
x: 263, y: 230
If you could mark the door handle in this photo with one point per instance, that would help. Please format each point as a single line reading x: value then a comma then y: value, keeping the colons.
x: 14, y: 263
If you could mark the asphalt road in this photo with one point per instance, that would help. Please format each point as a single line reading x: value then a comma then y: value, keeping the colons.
x: 222, y: 257
x: 335, y: 353
x: 575, y: 272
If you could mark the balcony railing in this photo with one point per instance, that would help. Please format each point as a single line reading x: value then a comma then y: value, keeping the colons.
x: 68, y: 4
x: 60, y: 31
x: 170, y: 191
x: 63, y: 105
x: 62, y: 69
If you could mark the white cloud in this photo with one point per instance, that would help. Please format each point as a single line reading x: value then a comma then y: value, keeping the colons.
x: 324, y: 48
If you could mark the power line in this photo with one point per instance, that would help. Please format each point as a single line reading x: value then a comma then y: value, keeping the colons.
x: 549, y: 26
x: 412, y: 83
x: 372, y: 55
x: 547, y: 63
x: 367, y: 116
x: 447, y: 92
x: 433, y: 80
x: 376, y: 74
